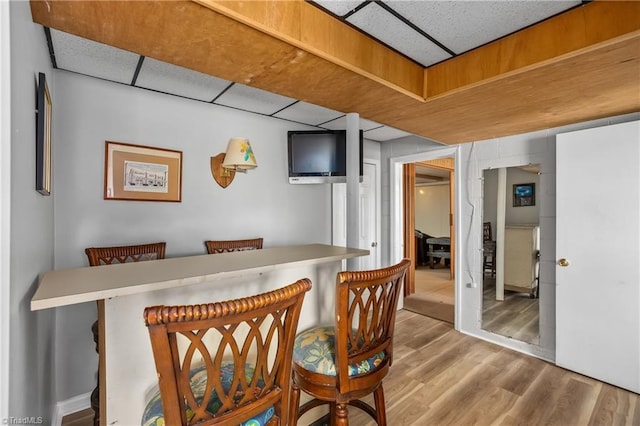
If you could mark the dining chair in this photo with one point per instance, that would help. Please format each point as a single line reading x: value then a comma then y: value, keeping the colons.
x: 489, y: 250
x: 338, y: 365
x: 107, y: 256
x: 224, y: 246
x: 225, y: 362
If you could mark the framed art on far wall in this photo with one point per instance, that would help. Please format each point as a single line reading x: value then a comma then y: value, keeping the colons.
x: 43, y: 137
x: 524, y: 194
x: 142, y: 173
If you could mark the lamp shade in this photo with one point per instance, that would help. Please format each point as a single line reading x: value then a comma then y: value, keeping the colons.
x: 239, y: 155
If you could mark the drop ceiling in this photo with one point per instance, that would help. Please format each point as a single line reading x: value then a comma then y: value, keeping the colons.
x: 425, y: 34
x: 83, y: 56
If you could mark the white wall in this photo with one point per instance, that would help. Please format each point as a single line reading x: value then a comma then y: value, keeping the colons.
x: 432, y: 210
x: 260, y: 203
x: 536, y: 147
x: 32, y: 215
x: 5, y: 207
x: 523, y: 215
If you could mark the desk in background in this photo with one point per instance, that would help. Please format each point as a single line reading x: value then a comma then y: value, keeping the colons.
x: 438, y: 248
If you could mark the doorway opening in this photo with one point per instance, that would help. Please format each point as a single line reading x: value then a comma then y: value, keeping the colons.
x: 430, y: 286
x: 430, y: 208
x: 433, y: 208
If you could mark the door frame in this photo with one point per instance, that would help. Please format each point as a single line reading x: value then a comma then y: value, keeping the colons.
x: 378, y: 204
x: 396, y: 225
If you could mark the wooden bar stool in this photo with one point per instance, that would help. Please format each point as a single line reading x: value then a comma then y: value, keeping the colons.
x: 224, y: 246
x: 225, y: 363
x: 107, y: 256
x: 339, y: 365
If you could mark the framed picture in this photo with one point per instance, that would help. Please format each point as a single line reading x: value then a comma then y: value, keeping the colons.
x: 142, y: 173
x: 524, y: 194
x: 43, y: 137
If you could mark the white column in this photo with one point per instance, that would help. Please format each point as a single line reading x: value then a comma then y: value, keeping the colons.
x: 500, y: 223
x: 353, y: 185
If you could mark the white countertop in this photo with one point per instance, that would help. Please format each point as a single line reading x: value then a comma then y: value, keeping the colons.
x: 69, y: 286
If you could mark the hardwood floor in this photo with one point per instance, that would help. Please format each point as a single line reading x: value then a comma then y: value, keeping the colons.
x: 441, y: 377
x: 518, y: 316
x: 81, y: 418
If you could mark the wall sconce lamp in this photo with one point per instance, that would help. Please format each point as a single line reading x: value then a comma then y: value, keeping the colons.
x: 238, y: 158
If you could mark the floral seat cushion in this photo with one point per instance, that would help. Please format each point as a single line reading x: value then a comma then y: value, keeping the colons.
x: 315, y: 349
x: 153, y: 415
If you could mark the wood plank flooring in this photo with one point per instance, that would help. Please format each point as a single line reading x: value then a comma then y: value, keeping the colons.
x: 441, y: 377
x: 518, y: 316
x: 81, y: 418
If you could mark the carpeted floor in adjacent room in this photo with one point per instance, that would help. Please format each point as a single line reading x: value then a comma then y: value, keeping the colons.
x: 434, y: 296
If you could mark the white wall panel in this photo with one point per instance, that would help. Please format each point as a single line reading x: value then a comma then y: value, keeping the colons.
x: 32, y: 231
x: 260, y: 203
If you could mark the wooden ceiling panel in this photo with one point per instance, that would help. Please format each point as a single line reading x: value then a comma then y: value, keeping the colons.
x: 580, y: 28
x: 347, y: 73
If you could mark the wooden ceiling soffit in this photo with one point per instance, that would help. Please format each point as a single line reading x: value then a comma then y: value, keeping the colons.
x: 187, y: 34
x: 306, y: 27
x: 294, y: 49
x: 590, y: 26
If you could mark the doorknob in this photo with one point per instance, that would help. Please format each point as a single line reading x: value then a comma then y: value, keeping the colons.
x: 563, y: 262
x: 374, y: 244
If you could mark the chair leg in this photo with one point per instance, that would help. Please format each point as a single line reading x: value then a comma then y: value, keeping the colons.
x: 294, y: 404
x: 342, y: 415
x: 381, y: 413
x: 332, y: 414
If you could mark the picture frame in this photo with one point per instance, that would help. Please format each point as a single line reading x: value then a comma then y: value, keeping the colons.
x: 142, y: 173
x: 43, y: 136
x: 524, y: 194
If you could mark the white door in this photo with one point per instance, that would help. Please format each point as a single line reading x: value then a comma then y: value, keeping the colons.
x: 598, y: 242
x: 368, y: 236
x: 369, y: 217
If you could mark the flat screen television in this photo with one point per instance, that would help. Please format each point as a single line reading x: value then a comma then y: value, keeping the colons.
x: 319, y: 156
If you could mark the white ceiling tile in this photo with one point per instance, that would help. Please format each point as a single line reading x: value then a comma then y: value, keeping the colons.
x: 339, y: 7
x: 88, y: 57
x: 306, y: 113
x: 169, y: 78
x: 252, y: 99
x: 464, y: 25
x: 382, y: 25
x: 385, y: 133
x: 340, y: 123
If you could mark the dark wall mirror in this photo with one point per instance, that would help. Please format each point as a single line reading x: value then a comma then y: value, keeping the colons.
x: 511, y: 252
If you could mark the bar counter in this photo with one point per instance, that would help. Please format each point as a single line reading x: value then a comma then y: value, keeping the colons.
x: 69, y: 286
x: 127, y: 372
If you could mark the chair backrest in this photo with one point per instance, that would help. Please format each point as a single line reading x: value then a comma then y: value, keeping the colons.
x: 223, y: 246
x: 257, y: 332
x: 123, y: 254
x: 487, y: 235
x: 366, y: 304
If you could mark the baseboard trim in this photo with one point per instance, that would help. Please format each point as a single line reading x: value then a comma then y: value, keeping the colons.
x: 70, y: 406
